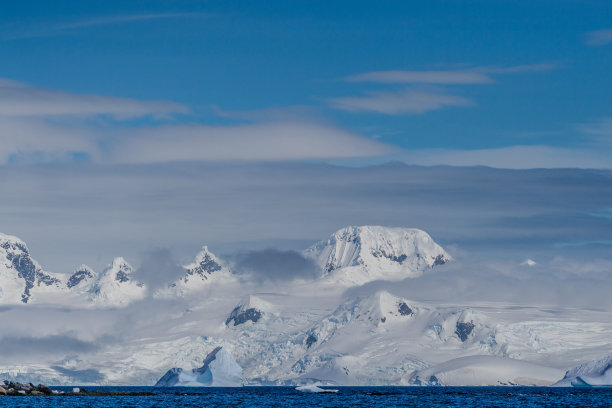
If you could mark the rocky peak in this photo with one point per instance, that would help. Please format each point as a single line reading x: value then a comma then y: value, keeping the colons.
x: 204, y: 265
x: 15, y: 256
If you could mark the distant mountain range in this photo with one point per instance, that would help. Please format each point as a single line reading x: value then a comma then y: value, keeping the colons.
x: 351, y: 256
x: 349, y: 325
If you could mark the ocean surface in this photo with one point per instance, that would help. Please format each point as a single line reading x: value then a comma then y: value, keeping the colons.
x: 346, y: 397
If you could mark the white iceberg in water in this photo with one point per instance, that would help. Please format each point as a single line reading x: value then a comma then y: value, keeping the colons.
x: 219, y: 370
x: 596, y: 373
x: 313, y: 388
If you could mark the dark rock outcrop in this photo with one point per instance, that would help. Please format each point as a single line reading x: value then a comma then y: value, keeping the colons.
x: 404, y: 309
x: 310, y: 340
x: 240, y: 315
x: 80, y: 275
x: 464, y: 329
x: 19, y: 256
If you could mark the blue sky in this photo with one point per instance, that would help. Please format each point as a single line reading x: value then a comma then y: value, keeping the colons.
x: 127, y: 126
x: 471, y: 78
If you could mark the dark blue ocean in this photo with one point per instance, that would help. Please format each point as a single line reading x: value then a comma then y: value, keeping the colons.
x: 346, y: 397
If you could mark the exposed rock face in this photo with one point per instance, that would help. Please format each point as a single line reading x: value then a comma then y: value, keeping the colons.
x: 219, y: 370
x: 240, y: 315
x: 204, y: 265
x: 205, y: 269
x: 81, y: 275
x: 251, y: 308
x: 404, y: 309
x: 18, y: 258
x: 464, y: 329
x: 310, y: 340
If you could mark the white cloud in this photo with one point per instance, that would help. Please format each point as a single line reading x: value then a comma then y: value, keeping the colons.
x: 513, y: 157
x: 599, y: 37
x: 40, y: 141
x: 39, y: 125
x: 476, y: 75
x: 394, y: 103
x: 266, y: 141
x: 422, y: 77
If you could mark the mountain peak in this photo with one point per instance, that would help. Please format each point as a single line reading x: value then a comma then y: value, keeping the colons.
x: 204, y: 265
x: 16, y: 265
x: 369, y: 252
x: 81, y: 277
x: 115, y: 287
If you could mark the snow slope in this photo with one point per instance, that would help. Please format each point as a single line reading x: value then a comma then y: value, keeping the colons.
x: 356, y: 255
x: 485, y: 370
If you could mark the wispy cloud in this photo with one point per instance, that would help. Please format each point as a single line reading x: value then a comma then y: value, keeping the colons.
x: 393, y: 103
x: 418, y: 100
x: 600, y: 129
x: 476, y: 75
x: 599, y: 37
x: 120, y: 19
x: 20, y: 100
x: 99, y: 21
x: 513, y: 157
x: 517, y: 69
x: 422, y: 77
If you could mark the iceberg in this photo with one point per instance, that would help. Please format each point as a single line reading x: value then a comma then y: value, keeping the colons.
x: 219, y: 370
x: 314, y: 389
x: 597, y: 373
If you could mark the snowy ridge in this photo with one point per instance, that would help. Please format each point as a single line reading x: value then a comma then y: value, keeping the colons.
x: 356, y: 255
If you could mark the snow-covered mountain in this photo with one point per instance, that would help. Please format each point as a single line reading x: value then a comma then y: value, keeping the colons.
x: 250, y: 309
x: 116, y: 286
x: 20, y: 274
x: 204, y: 269
x: 293, y: 332
x: 82, y: 279
x: 356, y: 255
